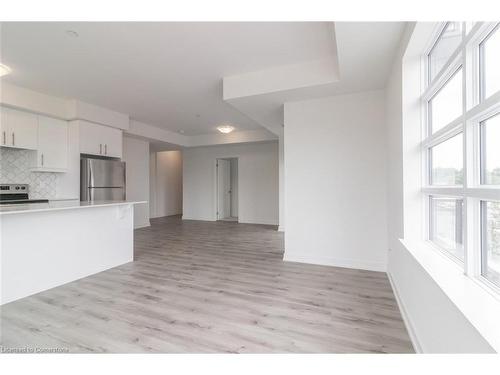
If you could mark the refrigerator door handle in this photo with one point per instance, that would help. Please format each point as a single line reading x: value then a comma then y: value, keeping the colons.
x: 90, y: 173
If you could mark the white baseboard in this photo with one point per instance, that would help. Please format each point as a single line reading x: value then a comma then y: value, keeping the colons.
x: 261, y: 222
x: 336, y: 262
x: 166, y: 214
x: 406, y: 318
x: 184, y: 217
x: 281, y: 228
x: 142, y: 225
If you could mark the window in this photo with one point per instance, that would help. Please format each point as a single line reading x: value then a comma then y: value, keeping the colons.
x: 461, y: 147
x: 490, y: 63
x: 490, y: 151
x: 490, y: 267
x: 447, y: 162
x: 446, y: 44
x: 468, y: 27
x: 446, y: 225
x: 447, y: 104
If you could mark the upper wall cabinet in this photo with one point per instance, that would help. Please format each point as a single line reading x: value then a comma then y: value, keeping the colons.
x: 100, y: 140
x: 52, y: 153
x: 18, y: 129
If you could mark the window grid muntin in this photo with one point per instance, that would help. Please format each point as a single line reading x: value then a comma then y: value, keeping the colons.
x: 472, y: 192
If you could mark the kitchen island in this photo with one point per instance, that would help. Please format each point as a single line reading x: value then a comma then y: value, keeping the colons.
x: 49, y: 244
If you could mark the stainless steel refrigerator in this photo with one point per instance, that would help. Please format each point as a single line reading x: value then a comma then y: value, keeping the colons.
x: 102, y: 179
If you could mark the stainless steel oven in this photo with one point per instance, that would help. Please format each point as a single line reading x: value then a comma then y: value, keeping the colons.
x: 17, y: 194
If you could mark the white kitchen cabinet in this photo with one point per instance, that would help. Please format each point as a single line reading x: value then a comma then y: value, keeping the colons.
x: 90, y: 142
x: 19, y: 129
x: 52, y: 152
x: 113, y: 142
x: 100, y: 140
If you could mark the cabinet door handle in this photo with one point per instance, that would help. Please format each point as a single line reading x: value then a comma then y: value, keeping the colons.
x: 42, y: 160
x: 4, y: 137
x: 100, y: 148
x: 105, y: 149
x: 13, y: 139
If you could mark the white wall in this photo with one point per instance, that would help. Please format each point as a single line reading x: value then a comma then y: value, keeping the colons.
x: 23, y: 98
x: 152, y: 183
x: 242, y: 136
x: 141, y: 129
x: 257, y: 181
x: 234, y: 187
x: 99, y: 115
x: 136, y: 155
x: 166, y: 178
x: 281, y: 182
x: 63, y: 108
x: 435, y: 323
x: 335, y: 178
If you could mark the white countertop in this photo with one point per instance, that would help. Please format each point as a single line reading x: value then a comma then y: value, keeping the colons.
x: 55, y: 205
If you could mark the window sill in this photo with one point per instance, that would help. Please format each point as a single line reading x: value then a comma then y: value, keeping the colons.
x: 479, y: 304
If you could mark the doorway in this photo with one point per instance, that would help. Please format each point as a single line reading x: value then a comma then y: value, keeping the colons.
x: 227, y: 189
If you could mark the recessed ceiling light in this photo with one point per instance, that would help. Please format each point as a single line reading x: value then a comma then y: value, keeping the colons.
x: 4, y: 70
x: 225, y: 128
x: 72, y: 33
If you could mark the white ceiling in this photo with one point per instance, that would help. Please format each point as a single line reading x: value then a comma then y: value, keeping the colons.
x: 365, y: 52
x: 165, y: 74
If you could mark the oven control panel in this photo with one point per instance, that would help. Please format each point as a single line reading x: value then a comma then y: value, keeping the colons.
x: 13, y: 188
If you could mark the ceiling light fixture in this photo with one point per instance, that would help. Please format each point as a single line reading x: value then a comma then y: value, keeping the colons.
x: 225, y: 128
x: 72, y: 33
x: 4, y: 70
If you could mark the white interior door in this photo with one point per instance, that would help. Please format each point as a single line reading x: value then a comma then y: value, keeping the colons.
x: 223, y: 189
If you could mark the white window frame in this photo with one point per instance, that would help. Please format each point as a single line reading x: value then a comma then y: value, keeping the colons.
x: 475, y: 110
x: 481, y: 66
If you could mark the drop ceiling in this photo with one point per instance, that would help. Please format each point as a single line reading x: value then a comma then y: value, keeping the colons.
x: 167, y: 74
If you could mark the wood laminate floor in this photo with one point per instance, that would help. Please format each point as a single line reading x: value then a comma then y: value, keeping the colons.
x: 211, y: 287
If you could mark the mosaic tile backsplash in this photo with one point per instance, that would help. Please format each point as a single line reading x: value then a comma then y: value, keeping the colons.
x: 15, y: 169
